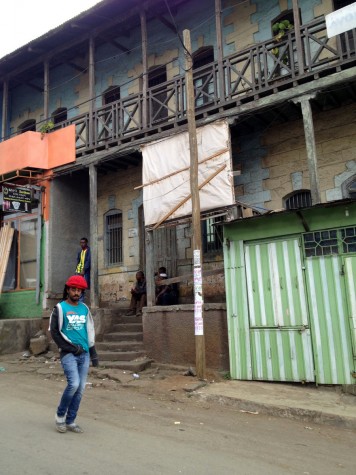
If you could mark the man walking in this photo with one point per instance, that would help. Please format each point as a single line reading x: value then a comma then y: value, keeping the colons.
x: 72, y: 329
x: 84, y: 263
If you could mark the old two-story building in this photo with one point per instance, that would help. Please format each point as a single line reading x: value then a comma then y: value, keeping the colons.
x: 80, y: 105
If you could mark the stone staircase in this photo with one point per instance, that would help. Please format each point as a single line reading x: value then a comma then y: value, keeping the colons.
x: 122, y: 347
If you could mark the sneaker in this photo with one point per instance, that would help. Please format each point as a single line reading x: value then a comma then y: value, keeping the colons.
x: 61, y: 424
x: 130, y: 313
x: 74, y: 428
x: 138, y: 314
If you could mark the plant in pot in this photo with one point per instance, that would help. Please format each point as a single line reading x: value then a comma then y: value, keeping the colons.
x: 45, y: 128
x: 280, y: 30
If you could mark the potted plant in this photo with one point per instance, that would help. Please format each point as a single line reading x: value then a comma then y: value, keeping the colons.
x: 280, y: 30
x: 46, y: 127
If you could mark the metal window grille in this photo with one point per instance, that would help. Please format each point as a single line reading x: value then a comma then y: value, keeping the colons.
x: 321, y: 243
x: 348, y: 236
x: 114, y: 239
x: 212, y: 235
x: 299, y: 199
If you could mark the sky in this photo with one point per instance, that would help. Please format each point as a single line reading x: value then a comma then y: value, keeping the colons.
x: 22, y: 21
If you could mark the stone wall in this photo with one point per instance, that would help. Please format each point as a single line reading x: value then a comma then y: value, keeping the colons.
x: 168, y: 335
x: 15, y: 335
x: 273, y: 162
x: 116, y: 191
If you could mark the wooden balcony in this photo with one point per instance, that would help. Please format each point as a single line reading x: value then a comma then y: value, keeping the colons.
x: 243, y: 77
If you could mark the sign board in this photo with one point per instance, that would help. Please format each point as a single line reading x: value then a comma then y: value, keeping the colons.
x: 16, y: 199
x: 341, y: 20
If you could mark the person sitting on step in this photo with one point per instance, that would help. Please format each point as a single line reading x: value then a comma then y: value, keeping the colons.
x: 165, y: 294
x: 138, y: 295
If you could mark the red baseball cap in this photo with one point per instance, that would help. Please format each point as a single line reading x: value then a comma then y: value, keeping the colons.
x: 77, y: 281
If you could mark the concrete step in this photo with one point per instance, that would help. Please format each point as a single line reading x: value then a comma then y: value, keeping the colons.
x: 119, y: 346
x: 134, y: 366
x: 125, y: 318
x: 127, y: 327
x: 120, y: 355
x: 123, y: 336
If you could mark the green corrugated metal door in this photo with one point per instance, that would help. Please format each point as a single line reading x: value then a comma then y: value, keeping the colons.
x: 278, y: 312
x: 350, y: 268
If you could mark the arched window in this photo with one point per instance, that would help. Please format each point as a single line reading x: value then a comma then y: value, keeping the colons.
x: 203, y: 79
x: 298, y: 199
x: 158, y: 96
x: 113, y: 237
x: 107, y: 119
x: 28, y: 125
x: 59, y: 115
x: 111, y: 94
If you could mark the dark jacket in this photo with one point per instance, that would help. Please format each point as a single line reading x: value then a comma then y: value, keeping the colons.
x: 87, y: 262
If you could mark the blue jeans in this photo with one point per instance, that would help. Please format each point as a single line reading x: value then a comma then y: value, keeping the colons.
x: 76, y: 371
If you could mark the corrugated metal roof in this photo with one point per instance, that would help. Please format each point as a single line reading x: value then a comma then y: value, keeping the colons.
x: 279, y: 212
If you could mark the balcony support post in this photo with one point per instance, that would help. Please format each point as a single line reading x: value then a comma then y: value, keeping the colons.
x: 91, y: 89
x: 219, y: 43
x: 46, y: 90
x: 150, y: 268
x: 5, y: 109
x: 93, y: 223
x: 298, y: 39
x: 310, y: 146
x: 144, y: 68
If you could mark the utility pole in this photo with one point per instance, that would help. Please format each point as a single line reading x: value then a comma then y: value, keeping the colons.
x: 197, y: 255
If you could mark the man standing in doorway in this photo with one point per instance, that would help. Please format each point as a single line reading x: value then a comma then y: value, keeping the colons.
x: 84, y: 263
x: 72, y: 329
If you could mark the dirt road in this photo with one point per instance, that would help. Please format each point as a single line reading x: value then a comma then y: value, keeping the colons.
x: 151, y: 426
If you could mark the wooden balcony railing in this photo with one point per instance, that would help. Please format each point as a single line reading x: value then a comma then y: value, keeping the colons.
x: 246, y: 75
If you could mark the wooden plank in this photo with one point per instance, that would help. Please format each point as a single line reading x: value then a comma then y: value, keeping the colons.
x: 205, y: 182
x: 6, y: 236
x: 182, y: 169
x: 187, y: 277
x: 150, y: 286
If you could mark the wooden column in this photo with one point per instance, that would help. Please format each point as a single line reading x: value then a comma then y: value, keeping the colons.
x: 310, y: 146
x: 197, y: 241
x: 93, y: 243
x: 298, y: 39
x: 5, y: 108
x: 38, y: 246
x: 219, y: 43
x: 46, y: 90
x: 91, y: 88
x: 144, y: 69
x: 150, y: 269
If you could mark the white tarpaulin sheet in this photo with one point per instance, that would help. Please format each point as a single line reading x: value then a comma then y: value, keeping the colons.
x: 166, y: 174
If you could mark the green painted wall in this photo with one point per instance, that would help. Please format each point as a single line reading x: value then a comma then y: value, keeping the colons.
x: 21, y: 304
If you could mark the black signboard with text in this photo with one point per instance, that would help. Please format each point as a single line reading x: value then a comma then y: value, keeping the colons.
x: 16, y: 199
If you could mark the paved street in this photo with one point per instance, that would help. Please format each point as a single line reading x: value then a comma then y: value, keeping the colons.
x: 131, y: 431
